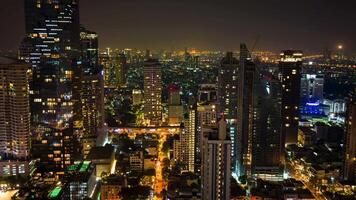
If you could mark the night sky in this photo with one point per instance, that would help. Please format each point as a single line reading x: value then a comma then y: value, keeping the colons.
x: 310, y: 25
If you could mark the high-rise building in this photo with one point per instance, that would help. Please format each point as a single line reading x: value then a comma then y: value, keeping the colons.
x: 350, y: 147
x: 91, y: 92
x: 175, y: 108
x: 14, y: 117
x: 216, y: 163
x: 53, y: 48
x: 290, y: 67
x: 105, y: 60
x: 121, y: 68
x: 56, y: 149
x: 266, y: 140
x: 247, y: 79
x: 311, y: 88
x: 184, y: 147
x: 227, y: 97
x: 152, y: 91
x: 206, y: 117
x: 52, y: 30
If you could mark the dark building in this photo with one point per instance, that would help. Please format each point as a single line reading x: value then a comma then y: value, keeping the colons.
x: 247, y: 78
x: 227, y: 97
x: 290, y: 68
x: 55, y: 148
x: 266, y: 139
x: 350, y: 147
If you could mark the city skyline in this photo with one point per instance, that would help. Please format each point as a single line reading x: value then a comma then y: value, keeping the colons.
x: 212, y: 25
x: 152, y: 100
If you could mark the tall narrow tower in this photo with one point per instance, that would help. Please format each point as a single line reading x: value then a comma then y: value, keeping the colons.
x: 247, y: 76
x: 52, y: 29
x: 216, y: 166
x: 350, y: 147
x: 152, y: 92
x: 290, y: 67
x: 227, y: 98
x: 14, y: 117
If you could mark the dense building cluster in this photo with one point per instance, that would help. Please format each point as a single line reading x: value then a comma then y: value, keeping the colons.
x: 79, y: 122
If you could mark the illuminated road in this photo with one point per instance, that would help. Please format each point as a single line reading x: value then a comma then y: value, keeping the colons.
x: 160, y: 182
x: 296, y: 173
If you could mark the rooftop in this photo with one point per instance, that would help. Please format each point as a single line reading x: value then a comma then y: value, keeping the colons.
x: 100, y: 153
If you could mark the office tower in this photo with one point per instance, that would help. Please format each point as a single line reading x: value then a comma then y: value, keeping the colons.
x: 227, y: 97
x: 175, y: 108
x: 311, y: 88
x: 184, y: 147
x: 216, y: 166
x: 105, y: 60
x: 206, y: 118
x: 53, y: 49
x: 91, y: 92
x: 290, y: 67
x: 207, y: 93
x: 120, y: 69
x: 350, y: 147
x: 191, y: 126
x: 266, y: 140
x: 52, y: 29
x: 56, y: 149
x: 152, y: 91
x: 14, y: 117
x: 247, y: 79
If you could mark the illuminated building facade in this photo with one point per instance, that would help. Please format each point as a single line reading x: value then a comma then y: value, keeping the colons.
x: 52, y: 29
x: 312, y: 87
x: 91, y: 94
x: 350, y: 149
x: 290, y: 67
x: 14, y: 117
x: 56, y: 149
x: 216, y: 163
x: 206, y: 117
x: 227, y: 97
x: 152, y: 91
x: 121, y: 68
x: 175, y: 108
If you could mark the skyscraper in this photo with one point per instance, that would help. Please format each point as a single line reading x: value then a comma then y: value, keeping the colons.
x: 227, y: 97
x: 121, y: 68
x: 14, y: 117
x: 216, y: 166
x: 91, y: 94
x: 52, y: 46
x: 206, y: 118
x: 175, y: 108
x: 350, y: 147
x: 290, y: 67
x: 247, y: 78
x: 152, y: 91
x: 52, y: 29
x: 266, y: 140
